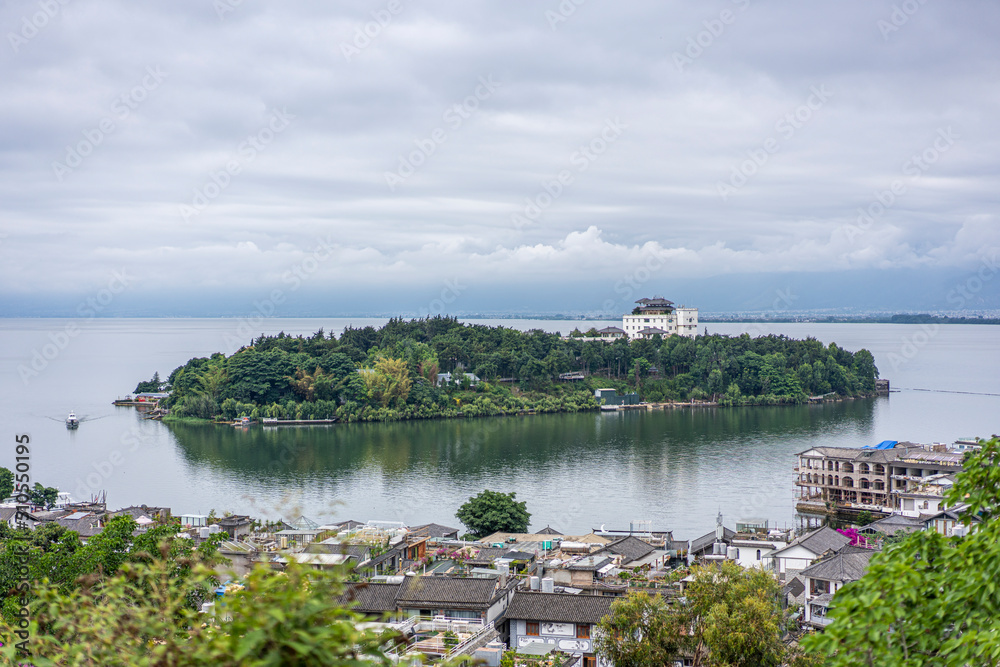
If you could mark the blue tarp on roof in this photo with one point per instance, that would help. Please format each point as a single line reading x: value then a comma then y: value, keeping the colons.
x: 885, y: 444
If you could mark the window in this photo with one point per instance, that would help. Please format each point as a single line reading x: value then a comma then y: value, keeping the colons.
x: 589, y: 661
x: 532, y: 629
x: 582, y: 631
x: 737, y: 554
x: 758, y: 554
x: 819, y: 587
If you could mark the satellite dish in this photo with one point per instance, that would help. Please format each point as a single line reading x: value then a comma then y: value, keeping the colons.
x: 602, y: 528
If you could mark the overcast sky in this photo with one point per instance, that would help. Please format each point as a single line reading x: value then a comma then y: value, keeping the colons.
x: 458, y: 150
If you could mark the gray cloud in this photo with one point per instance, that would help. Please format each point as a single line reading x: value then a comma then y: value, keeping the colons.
x: 736, y: 104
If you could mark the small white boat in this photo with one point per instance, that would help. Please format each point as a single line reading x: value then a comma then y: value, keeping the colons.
x: 72, y: 421
x: 242, y: 421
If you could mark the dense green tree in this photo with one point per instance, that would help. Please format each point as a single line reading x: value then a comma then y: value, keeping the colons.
x: 312, y: 377
x: 152, y: 385
x: 43, y: 496
x: 928, y: 599
x: 141, y: 617
x: 533, y: 374
x: 730, y: 617
x: 735, y: 617
x: 641, y: 630
x: 494, y: 511
x: 6, y: 483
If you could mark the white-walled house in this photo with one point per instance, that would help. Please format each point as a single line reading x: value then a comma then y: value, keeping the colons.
x: 802, y: 551
x: 566, y: 622
x: 946, y: 521
x: 925, y: 497
x: 659, y: 316
x: 756, y: 552
x: 825, y: 578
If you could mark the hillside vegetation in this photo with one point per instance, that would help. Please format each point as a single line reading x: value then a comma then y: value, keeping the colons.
x: 391, y: 373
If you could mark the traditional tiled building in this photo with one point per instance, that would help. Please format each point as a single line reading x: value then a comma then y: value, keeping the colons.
x: 566, y: 622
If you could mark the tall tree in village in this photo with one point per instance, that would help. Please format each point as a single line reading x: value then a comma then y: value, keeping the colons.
x: 928, y: 599
x: 641, y: 630
x: 493, y: 511
x: 731, y: 617
x: 6, y: 483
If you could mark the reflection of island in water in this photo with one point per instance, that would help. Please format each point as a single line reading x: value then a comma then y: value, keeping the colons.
x: 475, y: 447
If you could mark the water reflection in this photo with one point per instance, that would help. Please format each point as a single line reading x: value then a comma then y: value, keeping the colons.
x: 674, y: 465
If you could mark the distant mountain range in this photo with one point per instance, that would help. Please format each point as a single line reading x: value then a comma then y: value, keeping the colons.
x: 836, y: 294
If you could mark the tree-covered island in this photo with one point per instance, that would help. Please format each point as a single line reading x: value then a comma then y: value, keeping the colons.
x: 440, y: 367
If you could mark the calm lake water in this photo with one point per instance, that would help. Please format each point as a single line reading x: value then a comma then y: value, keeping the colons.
x: 677, y: 468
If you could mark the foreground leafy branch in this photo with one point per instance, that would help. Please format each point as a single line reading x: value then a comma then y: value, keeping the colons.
x: 142, y: 617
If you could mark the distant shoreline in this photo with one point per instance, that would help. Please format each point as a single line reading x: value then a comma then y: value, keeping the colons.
x: 711, y: 319
x: 894, y: 319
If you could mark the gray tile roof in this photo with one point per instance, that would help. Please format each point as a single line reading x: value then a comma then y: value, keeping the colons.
x: 893, y: 524
x: 371, y: 597
x: 589, y: 564
x: 434, y: 530
x: 386, y: 555
x: 847, y: 566
x: 558, y: 607
x: 450, y: 592
x: 356, y: 550
x: 709, y: 539
x: 819, y: 541
x: 631, y: 548
x: 548, y: 530
x: 859, y: 455
x: 488, y: 555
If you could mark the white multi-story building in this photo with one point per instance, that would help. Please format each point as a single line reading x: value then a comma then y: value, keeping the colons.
x: 659, y: 316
